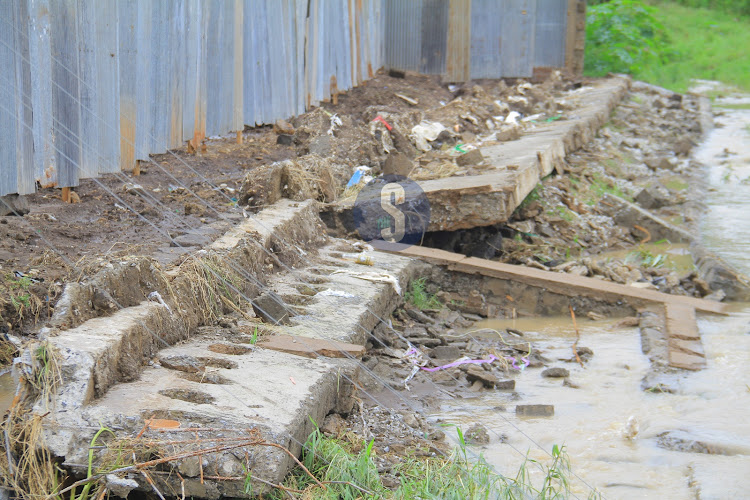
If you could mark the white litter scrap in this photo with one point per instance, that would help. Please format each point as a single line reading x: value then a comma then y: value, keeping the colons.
x: 372, y: 276
x: 513, y: 117
x: 424, y: 133
x: 335, y: 124
x: 156, y: 297
x: 336, y: 293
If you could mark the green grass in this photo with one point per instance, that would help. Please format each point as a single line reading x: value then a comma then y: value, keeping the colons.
x: 724, y: 105
x: 419, y: 297
x: 703, y: 43
x: 349, y: 474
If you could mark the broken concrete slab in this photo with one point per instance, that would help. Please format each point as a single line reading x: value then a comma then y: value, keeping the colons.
x: 515, y: 167
x: 311, y: 347
x: 629, y: 215
x: 226, y: 389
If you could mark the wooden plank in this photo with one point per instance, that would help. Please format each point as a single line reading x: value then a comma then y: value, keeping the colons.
x: 683, y: 339
x: 565, y: 284
x: 311, y: 347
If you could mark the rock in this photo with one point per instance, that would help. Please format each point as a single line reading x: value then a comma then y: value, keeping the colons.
x: 13, y: 204
x: 283, y: 127
x: 683, y: 146
x: 446, y: 352
x: 658, y: 162
x: 397, y: 164
x: 435, y: 435
x: 190, y: 240
x: 654, y: 196
x: 475, y: 373
x: 410, y: 419
x: 470, y: 158
x: 285, y: 140
x: 535, y: 410
x: 506, y: 385
x: 682, y: 441
x: 584, y: 353
x: 134, y: 189
x: 508, y: 133
x: 271, y: 307
x: 556, y: 372
x: 183, y: 363
x: 262, y: 186
x: 333, y: 425
x: 568, y: 383
x: 192, y: 208
x: 120, y: 486
x: 320, y: 145
x: 477, y: 434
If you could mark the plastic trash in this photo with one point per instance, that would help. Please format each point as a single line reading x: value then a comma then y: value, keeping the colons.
x: 512, y: 117
x: 360, y: 175
x: 425, y: 132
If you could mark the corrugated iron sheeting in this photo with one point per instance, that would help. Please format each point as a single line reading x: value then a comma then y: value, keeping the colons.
x: 551, y: 25
x: 91, y: 86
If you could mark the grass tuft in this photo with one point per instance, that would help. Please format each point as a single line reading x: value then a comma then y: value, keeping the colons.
x: 420, y: 298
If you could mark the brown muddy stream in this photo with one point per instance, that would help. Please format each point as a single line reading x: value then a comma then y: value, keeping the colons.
x: 597, y: 421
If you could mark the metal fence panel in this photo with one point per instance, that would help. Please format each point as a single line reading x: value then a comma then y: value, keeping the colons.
x: 91, y: 86
x: 551, y: 25
x: 403, y: 34
x: 486, y: 23
x: 8, y: 91
x: 517, y: 42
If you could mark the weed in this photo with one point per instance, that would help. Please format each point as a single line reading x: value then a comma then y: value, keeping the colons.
x: 352, y: 475
x: 562, y: 212
x: 646, y: 258
x: 623, y: 36
x: 534, y: 195
x: 419, y: 297
x: 254, y: 337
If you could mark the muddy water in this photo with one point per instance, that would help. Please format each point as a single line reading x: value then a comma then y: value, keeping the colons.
x: 7, y: 391
x: 710, y: 406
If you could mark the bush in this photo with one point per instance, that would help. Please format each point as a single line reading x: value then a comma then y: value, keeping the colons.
x: 623, y: 36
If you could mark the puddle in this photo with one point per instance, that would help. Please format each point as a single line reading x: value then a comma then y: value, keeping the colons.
x: 591, y: 420
x: 672, y: 255
x: 703, y: 428
x: 7, y: 391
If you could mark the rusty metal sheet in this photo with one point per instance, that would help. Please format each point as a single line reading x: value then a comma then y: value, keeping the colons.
x: 458, y: 58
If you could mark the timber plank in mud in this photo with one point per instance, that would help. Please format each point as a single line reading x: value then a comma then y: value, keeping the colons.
x: 565, y: 284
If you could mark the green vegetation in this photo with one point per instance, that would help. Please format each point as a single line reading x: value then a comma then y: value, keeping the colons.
x: 646, y: 258
x: 351, y: 474
x: 601, y: 186
x: 534, y: 195
x: 739, y: 7
x: 623, y: 36
x: 420, y: 298
x: 669, y: 44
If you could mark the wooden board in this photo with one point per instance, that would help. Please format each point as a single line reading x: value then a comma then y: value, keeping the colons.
x: 311, y: 347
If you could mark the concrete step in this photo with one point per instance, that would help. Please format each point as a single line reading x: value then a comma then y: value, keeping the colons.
x: 243, y: 402
x: 515, y: 166
x: 683, y: 339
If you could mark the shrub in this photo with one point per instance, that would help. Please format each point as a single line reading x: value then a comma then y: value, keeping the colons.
x: 623, y: 36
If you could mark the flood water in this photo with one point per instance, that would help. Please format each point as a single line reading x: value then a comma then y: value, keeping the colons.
x: 711, y: 406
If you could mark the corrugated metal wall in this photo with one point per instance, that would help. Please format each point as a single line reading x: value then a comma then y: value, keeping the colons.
x: 88, y: 87
x: 508, y: 38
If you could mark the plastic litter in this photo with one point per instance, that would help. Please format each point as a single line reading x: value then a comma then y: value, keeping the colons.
x: 335, y: 123
x: 336, y: 293
x: 513, y: 117
x: 381, y: 120
x: 425, y: 132
x: 360, y: 175
x: 156, y: 297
